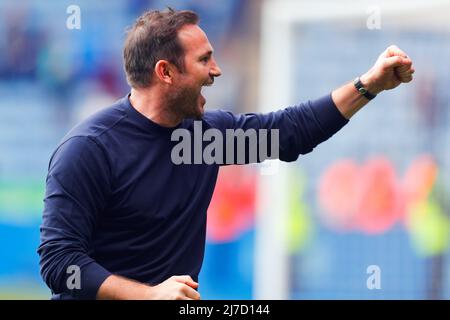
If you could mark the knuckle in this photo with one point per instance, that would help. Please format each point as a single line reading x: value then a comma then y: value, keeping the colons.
x: 392, y: 47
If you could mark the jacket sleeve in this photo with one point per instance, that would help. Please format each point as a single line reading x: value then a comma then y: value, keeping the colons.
x: 77, y: 185
x: 300, y: 128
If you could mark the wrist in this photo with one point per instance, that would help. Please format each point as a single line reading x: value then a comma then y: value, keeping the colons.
x: 150, y: 292
x: 370, y: 84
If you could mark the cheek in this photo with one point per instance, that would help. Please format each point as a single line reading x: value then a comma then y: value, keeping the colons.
x: 186, y: 82
x: 201, y: 70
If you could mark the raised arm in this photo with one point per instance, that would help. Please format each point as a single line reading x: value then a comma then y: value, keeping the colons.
x: 303, y: 127
x: 392, y: 68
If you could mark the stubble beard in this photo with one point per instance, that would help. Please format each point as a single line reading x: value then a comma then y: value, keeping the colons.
x: 184, y: 102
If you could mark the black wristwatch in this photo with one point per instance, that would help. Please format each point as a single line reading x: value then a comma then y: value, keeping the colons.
x: 359, y: 86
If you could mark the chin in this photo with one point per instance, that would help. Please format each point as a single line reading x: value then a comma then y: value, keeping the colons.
x: 195, y: 114
x: 199, y: 115
x: 199, y: 112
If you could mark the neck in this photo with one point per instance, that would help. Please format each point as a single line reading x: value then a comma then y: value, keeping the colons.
x: 153, y: 105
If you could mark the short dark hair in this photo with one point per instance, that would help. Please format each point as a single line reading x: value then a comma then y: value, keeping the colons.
x: 154, y: 37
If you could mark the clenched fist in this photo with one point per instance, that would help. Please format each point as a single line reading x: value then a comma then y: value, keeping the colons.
x: 392, y: 68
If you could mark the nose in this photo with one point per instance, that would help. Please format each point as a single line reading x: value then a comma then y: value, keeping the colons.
x: 215, y: 70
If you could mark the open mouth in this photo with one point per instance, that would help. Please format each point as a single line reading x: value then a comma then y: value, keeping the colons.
x: 209, y: 83
x: 202, y: 99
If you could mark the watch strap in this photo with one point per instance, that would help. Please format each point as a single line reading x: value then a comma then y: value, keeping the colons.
x: 363, y: 91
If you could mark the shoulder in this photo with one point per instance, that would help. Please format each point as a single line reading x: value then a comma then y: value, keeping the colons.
x: 99, y: 122
x: 76, y: 150
x: 82, y: 143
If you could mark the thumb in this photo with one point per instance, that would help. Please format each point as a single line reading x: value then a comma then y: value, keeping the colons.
x: 396, y: 61
x: 187, y: 280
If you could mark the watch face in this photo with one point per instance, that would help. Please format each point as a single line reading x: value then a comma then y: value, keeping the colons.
x: 362, y: 90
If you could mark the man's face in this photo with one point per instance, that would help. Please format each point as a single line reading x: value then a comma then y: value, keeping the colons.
x: 200, y: 69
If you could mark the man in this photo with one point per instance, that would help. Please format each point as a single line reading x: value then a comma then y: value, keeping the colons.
x: 119, y: 214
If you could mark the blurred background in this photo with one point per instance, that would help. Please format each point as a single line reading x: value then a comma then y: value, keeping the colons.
x: 366, y: 215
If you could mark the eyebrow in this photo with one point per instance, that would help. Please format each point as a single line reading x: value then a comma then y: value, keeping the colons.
x: 209, y: 53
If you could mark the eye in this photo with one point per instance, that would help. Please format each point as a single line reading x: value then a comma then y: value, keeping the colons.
x: 205, y: 59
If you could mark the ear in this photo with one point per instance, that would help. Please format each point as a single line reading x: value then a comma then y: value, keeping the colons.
x: 164, y: 71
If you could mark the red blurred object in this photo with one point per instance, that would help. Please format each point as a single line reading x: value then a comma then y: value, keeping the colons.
x: 366, y: 198
x: 420, y: 178
x: 338, y: 190
x: 233, y: 204
x: 380, y: 201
